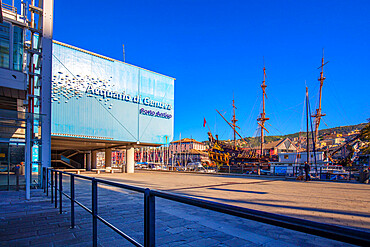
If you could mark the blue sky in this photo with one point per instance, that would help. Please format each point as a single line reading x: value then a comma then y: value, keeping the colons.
x: 216, y: 49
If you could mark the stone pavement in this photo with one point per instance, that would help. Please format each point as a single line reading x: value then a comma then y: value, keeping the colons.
x: 38, y: 223
x: 339, y: 203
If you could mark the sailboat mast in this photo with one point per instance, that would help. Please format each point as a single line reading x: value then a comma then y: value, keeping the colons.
x: 318, y: 114
x: 234, y: 120
x: 263, y: 118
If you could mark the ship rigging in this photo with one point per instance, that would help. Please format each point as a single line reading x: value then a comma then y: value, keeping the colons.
x: 225, y: 155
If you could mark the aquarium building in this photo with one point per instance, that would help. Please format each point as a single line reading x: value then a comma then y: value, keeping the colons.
x: 102, y: 104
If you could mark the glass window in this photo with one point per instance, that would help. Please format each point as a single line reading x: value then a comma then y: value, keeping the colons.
x: 18, y: 48
x: 4, y: 45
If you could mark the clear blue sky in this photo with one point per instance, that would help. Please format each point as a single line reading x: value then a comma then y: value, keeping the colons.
x: 215, y: 49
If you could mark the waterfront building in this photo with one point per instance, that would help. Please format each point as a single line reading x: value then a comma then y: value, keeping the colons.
x: 186, y: 144
x: 188, y: 150
x: 67, y: 107
x: 276, y: 147
x: 289, y: 163
x: 100, y: 104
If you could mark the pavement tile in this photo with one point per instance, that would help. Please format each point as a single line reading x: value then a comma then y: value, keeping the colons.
x: 68, y: 242
x: 19, y: 235
x: 38, y: 223
x: 177, y: 230
x: 42, y: 245
x: 204, y: 242
x: 222, y: 237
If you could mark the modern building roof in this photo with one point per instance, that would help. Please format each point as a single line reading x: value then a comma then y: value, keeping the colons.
x: 104, y: 57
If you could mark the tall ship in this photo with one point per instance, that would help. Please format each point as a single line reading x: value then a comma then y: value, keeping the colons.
x: 238, y: 156
x: 232, y: 158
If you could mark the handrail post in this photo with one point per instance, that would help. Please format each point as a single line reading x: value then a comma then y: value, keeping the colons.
x: 47, y: 182
x: 43, y: 179
x: 17, y: 178
x: 72, y: 181
x: 60, y: 191
x: 56, y: 189
x: 52, y: 185
x: 149, y: 219
x: 95, y: 211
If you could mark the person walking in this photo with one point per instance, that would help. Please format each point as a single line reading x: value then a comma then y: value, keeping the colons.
x: 307, y: 170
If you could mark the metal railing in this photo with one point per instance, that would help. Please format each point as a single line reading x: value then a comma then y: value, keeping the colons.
x: 55, y: 180
x: 9, y: 7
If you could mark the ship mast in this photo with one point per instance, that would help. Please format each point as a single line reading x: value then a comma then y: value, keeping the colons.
x: 234, y: 120
x: 319, y: 114
x: 231, y: 125
x: 263, y: 118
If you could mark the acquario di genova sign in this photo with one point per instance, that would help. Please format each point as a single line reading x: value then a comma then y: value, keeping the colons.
x: 64, y: 88
x: 106, y: 93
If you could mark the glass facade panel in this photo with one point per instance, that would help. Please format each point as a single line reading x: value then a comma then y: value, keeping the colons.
x: 17, y: 48
x: 4, y: 45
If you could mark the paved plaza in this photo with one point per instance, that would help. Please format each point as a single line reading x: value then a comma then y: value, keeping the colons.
x: 38, y: 223
x: 340, y: 203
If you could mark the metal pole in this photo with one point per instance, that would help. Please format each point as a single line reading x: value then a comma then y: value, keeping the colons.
x: 308, y: 135
x: 27, y: 161
x: 72, y: 181
x: 43, y: 179
x: 149, y: 219
x: 17, y: 177
x: 349, y: 174
x: 47, y: 182
x: 60, y: 191
x: 8, y: 175
x: 52, y: 185
x: 95, y: 211
x: 56, y: 189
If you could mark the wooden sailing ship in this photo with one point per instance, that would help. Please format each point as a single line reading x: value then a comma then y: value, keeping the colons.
x: 231, y: 157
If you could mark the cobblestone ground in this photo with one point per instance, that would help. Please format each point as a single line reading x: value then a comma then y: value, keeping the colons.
x: 38, y: 223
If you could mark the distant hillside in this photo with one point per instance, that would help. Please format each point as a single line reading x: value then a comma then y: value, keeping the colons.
x: 255, y: 141
x: 339, y: 130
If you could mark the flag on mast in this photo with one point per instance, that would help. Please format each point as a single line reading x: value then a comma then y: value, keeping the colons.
x: 204, y: 122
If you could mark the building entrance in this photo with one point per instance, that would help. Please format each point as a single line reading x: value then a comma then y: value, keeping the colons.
x: 12, y: 167
x: 91, y: 154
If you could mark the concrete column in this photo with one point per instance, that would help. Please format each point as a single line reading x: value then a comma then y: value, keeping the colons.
x: 88, y: 161
x: 94, y: 160
x: 108, y: 157
x: 130, y: 159
x: 46, y: 78
x: 85, y: 167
